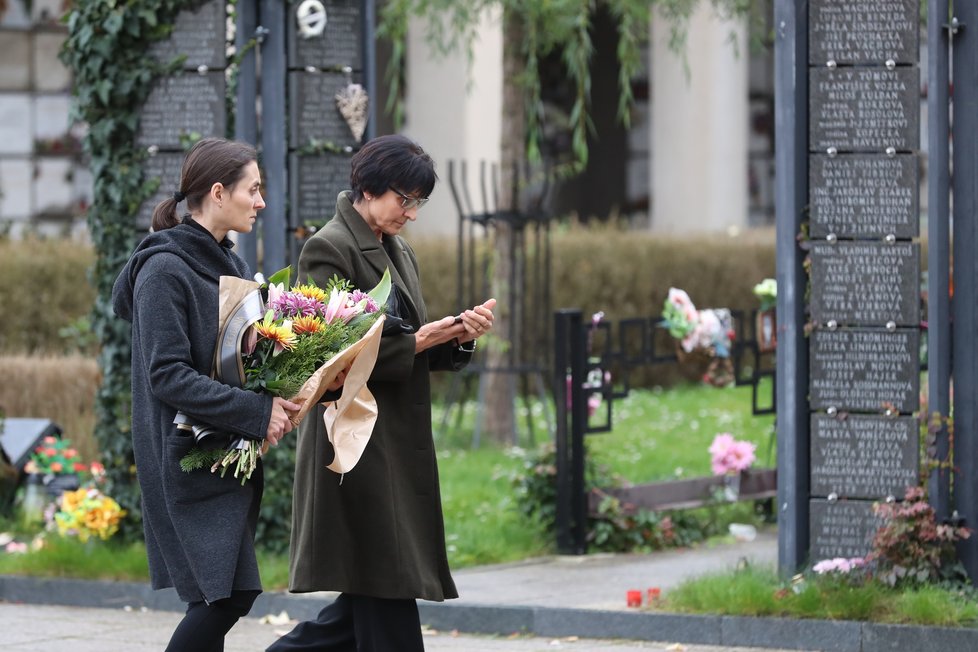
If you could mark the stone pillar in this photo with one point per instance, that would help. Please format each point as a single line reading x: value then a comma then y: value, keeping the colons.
x: 454, y: 112
x: 699, y: 127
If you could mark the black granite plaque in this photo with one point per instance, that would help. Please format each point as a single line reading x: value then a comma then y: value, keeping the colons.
x: 863, y: 456
x: 181, y: 105
x: 164, y: 167
x: 865, y: 283
x: 197, y: 34
x: 339, y: 45
x: 314, y: 183
x: 844, y: 528
x: 864, y: 195
x: 865, y: 370
x: 864, y: 109
x: 312, y: 109
x: 863, y: 31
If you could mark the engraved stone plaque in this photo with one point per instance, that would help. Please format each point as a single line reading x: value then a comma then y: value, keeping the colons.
x: 181, y: 105
x: 864, y: 196
x: 164, y: 167
x: 863, y: 456
x: 315, y: 181
x: 841, y: 529
x: 340, y: 43
x: 197, y: 34
x: 866, y: 283
x: 864, y: 109
x: 863, y: 31
x: 865, y: 370
x: 313, y: 112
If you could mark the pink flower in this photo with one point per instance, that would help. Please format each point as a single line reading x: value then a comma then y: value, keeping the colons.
x: 729, y: 455
x: 338, y: 308
x: 369, y: 305
x: 838, y: 565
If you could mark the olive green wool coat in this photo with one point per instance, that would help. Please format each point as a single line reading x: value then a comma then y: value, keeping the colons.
x: 377, y: 530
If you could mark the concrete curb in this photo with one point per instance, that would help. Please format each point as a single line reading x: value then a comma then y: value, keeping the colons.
x: 783, y: 633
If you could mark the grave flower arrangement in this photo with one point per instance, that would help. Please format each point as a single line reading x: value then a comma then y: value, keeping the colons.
x: 85, y: 513
x: 290, y: 343
x: 729, y: 456
x: 55, y: 456
x: 707, y: 334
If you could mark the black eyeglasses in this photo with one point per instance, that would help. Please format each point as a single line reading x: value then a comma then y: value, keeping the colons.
x: 407, y: 203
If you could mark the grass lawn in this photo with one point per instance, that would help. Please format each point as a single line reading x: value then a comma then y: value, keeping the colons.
x: 759, y: 592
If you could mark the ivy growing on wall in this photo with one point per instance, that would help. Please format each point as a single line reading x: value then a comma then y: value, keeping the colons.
x: 106, y: 53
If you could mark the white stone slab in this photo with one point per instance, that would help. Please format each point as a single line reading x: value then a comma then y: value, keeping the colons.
x: 16, y: 14
x: 51, y: 121
x: 15, y: 182
x: 48, y: 12
x: 53, y: 186
x: 15, y: 57
x: 15, y: 123
x: 49, y: 73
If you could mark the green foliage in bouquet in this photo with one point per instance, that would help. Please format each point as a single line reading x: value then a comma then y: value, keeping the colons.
x: 106, y: 54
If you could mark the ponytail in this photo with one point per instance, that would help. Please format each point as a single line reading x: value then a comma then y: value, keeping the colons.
x: 165, y: 215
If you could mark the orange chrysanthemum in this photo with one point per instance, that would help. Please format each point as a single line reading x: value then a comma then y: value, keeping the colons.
x: 307, y: 324
x: 280, y: 334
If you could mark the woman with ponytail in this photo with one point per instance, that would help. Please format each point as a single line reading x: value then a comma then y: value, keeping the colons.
x: 199, y: 527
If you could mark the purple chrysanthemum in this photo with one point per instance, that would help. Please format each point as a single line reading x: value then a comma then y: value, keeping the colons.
x: 370, y: 306
x: 292, y: 304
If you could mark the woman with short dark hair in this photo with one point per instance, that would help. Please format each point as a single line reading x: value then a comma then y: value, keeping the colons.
x: 199, y: 526
x: 377, y: 535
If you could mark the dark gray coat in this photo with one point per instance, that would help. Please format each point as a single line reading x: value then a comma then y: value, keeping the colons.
x: 380, y: 533
x: 199, y: 527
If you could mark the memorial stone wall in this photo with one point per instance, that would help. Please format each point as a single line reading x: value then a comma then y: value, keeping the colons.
x: 187, y: 105
x: 325, y: 58
x: 864, y: 385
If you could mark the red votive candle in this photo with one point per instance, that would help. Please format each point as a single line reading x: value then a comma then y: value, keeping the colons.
x: 634, y: 598
x: 654, y: 593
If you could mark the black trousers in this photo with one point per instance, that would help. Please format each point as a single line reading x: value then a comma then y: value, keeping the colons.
x: 357, y: 623
x: 204, y: 625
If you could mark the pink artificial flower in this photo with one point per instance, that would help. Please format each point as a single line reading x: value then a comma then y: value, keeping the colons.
x: 838, y: 564
x: 730, y: 456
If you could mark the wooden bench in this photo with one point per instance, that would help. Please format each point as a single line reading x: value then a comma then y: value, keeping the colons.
x: 755, y: 484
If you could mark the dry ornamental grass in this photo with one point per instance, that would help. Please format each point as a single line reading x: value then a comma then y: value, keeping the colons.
x: 59, y: 388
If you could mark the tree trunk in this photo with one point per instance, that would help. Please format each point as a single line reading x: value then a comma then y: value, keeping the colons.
x: 498, y: 413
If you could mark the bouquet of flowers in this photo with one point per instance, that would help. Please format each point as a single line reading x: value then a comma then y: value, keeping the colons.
x: 709, y: 329
x: 293, y: 343
x: 708, y: 333
x: 87, y: 512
